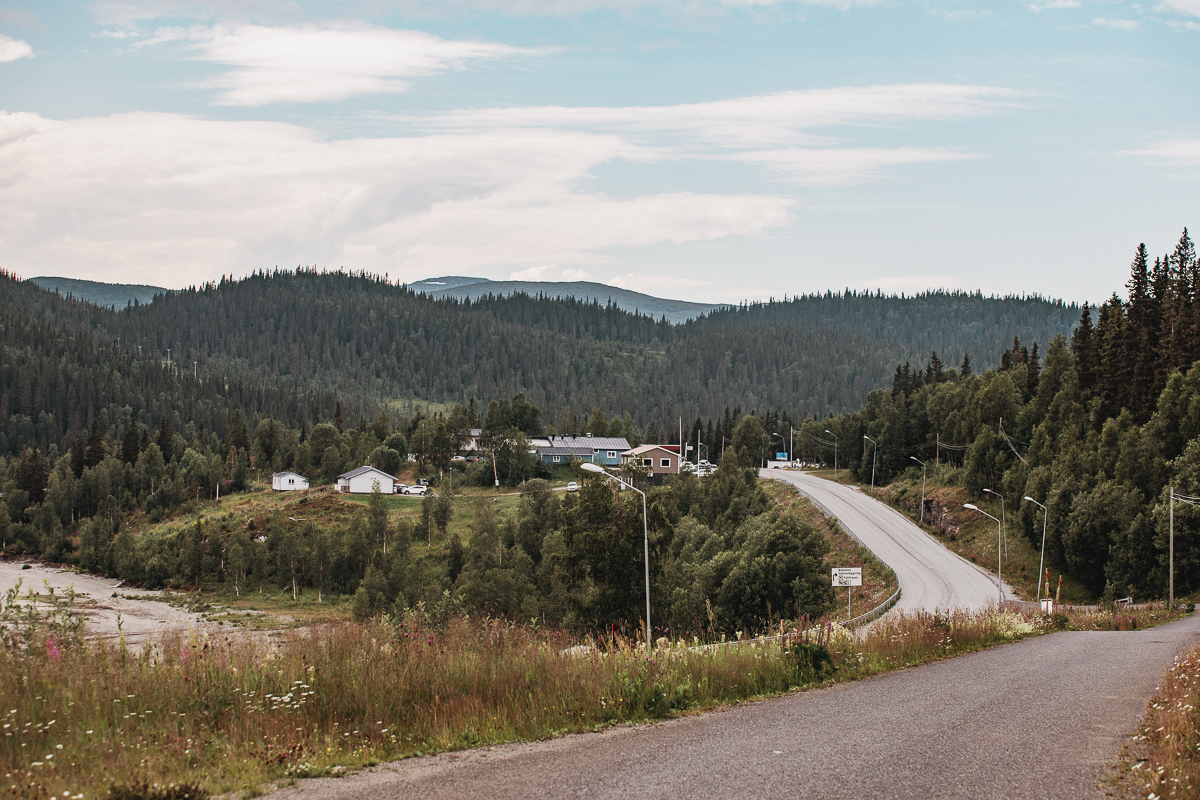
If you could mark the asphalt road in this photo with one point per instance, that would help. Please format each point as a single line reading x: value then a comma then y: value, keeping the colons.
x: 1041, y: 718
x: 930, y: 575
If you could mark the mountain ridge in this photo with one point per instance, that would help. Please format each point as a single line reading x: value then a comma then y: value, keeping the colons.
x: 676, y: 311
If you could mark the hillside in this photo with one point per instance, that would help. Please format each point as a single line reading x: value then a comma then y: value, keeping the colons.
x: 291, y: 344
x: 585, y: 291
x: 110, y: 295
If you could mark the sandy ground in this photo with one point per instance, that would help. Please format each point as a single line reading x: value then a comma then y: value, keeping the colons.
x: 142, y: 615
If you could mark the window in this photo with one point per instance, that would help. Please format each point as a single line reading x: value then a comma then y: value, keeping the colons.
x: 291, y: 480
x: 556, y: 459
x: 665, y: 463
x: 647, y: 462
x: 612, y: 453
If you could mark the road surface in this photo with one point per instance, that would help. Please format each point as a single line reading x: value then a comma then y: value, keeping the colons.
x: 930, y: 576
x: 1041, y: 718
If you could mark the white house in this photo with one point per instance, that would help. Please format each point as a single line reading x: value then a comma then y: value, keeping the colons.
x: 288, y: 482
x: 363, y: 480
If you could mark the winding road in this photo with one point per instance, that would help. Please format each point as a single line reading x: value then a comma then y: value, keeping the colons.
x: 930, y: 576
x: 1040, y: 718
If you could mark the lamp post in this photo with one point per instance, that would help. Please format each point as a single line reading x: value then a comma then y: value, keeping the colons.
x: 1042, y: 562
x: 874, y: 454
x: 835, y: 449
x: 999, y: 566
x: 1003, y: 521
x: 590, y: 467
x: 922, y: 463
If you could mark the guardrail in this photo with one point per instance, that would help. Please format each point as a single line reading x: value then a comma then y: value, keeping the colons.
x: 875, y: 613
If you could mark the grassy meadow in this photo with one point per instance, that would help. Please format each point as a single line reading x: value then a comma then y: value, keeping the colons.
x: 232, y: 711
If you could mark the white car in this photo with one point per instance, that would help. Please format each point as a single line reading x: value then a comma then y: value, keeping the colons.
x: 417, y: 490
x: 572, y: 487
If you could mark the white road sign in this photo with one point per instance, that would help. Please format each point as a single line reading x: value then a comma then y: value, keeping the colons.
x: 847, y: 576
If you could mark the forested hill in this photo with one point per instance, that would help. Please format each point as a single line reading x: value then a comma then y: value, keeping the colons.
x: 113, y: 295
x: 292, y: 343
x: 585, y: 291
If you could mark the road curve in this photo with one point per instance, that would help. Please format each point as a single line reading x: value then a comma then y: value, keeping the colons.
x: 929, y: 575
x: 1040, y: 718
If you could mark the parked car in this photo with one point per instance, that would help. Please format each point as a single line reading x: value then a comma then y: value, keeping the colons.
x: 458, y: 458
x: 422, y: 482
x: 418, y: 490
x: 572, y: 487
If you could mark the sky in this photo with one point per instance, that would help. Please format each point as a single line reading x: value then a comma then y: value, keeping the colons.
x: 706, y: 150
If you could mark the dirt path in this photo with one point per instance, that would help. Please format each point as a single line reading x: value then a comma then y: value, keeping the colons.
x: 142, y: 614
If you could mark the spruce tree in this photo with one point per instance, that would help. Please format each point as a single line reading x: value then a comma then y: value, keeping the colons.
x: 1082, y: 347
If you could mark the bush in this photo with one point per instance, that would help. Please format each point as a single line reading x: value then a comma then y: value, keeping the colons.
x: 810, y: 663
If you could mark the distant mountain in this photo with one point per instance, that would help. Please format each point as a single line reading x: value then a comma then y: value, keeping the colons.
x: 430, y: 285
x: 109, y: 295
x: 585, y: 291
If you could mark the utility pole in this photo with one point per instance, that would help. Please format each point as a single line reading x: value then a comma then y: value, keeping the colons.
x: 1171, y: 593
x: 196, y: 369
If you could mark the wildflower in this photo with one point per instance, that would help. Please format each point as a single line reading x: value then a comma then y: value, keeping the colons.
x: 51, y: 650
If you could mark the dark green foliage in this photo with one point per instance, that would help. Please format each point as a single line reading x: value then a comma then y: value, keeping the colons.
x: 810, y: 663
x: 1098, y: 432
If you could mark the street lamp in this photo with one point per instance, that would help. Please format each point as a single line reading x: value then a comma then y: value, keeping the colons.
x: 590, y: 467
x: 835, y: 448
x: 922, y: 463
x: 999, y: 566
x: 1041, y: 564
x: 1003, y: 521
x: 874, y: 453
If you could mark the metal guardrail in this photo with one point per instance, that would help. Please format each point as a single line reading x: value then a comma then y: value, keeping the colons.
x: 880, y: 609
x: 875, y: 613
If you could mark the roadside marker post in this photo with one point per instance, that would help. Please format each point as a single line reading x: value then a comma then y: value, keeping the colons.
x: 848, y: 577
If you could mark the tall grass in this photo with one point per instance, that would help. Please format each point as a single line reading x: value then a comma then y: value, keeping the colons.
x: 1168, y: 740
x: 232, y: 711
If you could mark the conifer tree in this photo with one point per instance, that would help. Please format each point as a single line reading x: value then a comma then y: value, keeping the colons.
x: 1082, y: 347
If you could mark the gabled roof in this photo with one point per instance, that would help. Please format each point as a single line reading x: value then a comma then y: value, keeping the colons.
x: 646, y: 448
x: 591, y: 442
x: 286, y: 475
x: 565, y: 451
x: 354, y: 473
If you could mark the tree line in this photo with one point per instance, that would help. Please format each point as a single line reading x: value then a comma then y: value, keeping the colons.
x: 1098, y: 428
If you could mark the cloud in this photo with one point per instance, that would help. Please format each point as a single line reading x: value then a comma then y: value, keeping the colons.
x: 782, y: 117
x: 550, y: 272
x: 1055, y: 4
x: 171, y: 199
x: 126, y: 11
x: 12, y: 49
x: 1188, y: 7
x: 1120, y: 24
x: 331, y: 61
x: 842, y: 166
x: 1176, y: 151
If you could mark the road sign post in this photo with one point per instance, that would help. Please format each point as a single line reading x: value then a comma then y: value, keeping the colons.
x: 848, y: 577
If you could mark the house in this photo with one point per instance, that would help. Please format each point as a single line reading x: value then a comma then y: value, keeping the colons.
x: 363, y: 480
x: 562, y: 450
x: 472, y: 446
x: 656, y: 460
x: 288, y: 482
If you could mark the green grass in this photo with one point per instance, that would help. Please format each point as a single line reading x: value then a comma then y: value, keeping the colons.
x: 234, y: 710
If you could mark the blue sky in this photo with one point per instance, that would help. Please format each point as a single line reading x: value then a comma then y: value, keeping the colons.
x: 711, y: 150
